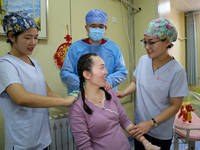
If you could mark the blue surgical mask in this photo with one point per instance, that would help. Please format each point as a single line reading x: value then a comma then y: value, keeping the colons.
x: 96, y: 34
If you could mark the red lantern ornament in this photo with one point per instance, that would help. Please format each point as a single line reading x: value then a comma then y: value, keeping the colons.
x: 59, y: 56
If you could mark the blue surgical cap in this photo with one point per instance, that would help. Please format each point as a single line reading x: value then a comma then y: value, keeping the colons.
x: 17, y: 22
x: 96, y: 15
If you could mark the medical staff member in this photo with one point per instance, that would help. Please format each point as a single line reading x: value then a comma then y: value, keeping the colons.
x: 161, y: 84
x: 24, y: 94
x: 95, y: 43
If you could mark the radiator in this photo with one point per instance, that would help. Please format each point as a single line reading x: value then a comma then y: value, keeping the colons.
x: 62, y: 138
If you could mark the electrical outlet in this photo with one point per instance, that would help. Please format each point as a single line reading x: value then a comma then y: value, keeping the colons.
x: 114, y: 19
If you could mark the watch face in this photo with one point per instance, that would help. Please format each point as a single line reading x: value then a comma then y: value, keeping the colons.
x: 155, y: 125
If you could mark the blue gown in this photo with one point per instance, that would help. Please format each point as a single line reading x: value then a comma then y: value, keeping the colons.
x: 108, y: 51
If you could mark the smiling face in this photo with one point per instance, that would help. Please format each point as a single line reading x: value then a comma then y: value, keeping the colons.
x: 25, y: 42
x: 97, y: 77
x: 158, y: 49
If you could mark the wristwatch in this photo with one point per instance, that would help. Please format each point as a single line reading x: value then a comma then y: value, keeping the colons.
x: 154, y: 122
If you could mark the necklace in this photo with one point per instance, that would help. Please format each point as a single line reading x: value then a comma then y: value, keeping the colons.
x: 96, y: 99
x: 161, y: 63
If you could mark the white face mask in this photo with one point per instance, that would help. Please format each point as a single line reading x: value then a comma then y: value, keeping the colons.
x: 96, y: 34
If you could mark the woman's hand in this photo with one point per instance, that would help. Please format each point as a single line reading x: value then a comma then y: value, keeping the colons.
x: 72, y: 97
x: 150, y: 146
x: 131, y: 129
x: 142, y: 128
x: 120, y: 94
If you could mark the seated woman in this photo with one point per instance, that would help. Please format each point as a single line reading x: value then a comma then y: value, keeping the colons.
x: 97, y: 116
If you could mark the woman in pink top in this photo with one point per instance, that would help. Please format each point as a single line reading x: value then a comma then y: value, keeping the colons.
x: 97, y: 116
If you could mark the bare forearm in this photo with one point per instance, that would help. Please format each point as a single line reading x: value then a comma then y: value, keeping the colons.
x: 53, y: 94
x: 166, y: 114
x: 130, y: 128
x: 39, y: 101
x: 175, y: 104
x: 24, y: 98
x: 131, y: 88
x: 142, y: 140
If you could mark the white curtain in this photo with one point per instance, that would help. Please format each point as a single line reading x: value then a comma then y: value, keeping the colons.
x: 191, y: 67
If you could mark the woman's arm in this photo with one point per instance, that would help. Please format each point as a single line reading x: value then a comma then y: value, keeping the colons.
x: 68, y: 100
x: 144, y: 127
x: 79, y: 127
x: 126, y: 124
x: 24, y: 98
x: 129, y: 90
x: 147, y: 145
x: 51, y: 93
x: 175, y: 105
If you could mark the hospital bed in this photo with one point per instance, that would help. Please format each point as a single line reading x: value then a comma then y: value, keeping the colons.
x: 185, y: 131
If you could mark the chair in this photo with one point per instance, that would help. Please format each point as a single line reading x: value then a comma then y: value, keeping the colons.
x: 184, y: 130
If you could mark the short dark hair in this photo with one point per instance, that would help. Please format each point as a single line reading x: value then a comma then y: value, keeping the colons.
x: 16, y: 37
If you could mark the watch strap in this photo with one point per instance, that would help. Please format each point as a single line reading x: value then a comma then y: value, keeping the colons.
x: 154, y: 122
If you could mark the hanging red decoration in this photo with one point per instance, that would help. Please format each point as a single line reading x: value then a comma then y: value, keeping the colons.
x: 59, y: 56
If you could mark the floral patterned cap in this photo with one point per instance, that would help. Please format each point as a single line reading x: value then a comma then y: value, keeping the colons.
x: 17, y: 22
x: 161, y: 29
x: 96, y: 15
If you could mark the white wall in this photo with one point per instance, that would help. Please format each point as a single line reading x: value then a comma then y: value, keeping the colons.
x: 179, y: 49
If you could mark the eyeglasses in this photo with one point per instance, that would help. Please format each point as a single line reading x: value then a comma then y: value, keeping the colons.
x: 150, y: 44
x: 101, y: 26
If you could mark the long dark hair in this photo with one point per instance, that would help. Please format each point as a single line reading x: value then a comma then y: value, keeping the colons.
x: 85, y: 63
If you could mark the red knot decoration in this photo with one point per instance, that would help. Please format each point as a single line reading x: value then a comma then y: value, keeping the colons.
x: 59, y: 56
